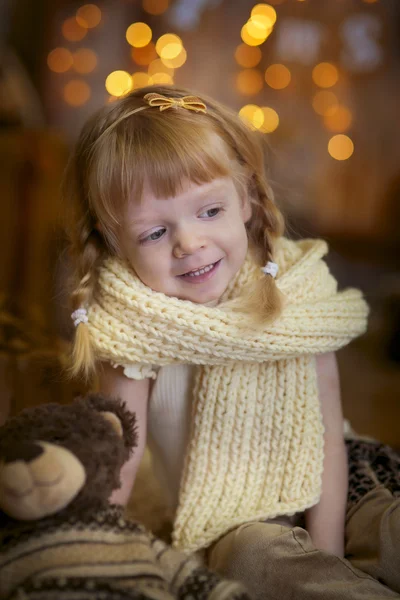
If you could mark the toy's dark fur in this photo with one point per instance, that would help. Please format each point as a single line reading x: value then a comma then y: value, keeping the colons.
x: 87, y: 435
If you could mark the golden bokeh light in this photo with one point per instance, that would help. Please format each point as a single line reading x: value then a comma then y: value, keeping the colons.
x: 88, y: 16
x: 325, y: 103
x: 118, y: 83
x: 253, y: 34
x: 340, y: 147
x: 162, y: 79
x: 85, y: 60
x: 140, y: 80
x: 340, y: 120
x: 271, y: 120
x: 249, y: 82
x: 177, y: 62
x: 138, y: 35
x: 370, y: 1
x: 143, y: 56
x: 76, y: 92
x: 60, y: 60
x: 72, y: 30
x: 325, y: 74
x: 169, y: 46
x: 247, y: 56
x: 266, y: 13
x: 157, y: 66
x: 155, y: 7
x: 257, y: 29
x: 252, y: 115
x: 277, y: 76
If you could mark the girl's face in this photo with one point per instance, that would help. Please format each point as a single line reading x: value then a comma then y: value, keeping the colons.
x: 191, y: 245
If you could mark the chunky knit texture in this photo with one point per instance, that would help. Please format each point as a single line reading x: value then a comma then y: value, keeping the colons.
x: 256, y: 442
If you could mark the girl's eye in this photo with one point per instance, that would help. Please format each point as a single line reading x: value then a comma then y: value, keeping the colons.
x: 211, y: 212
x: 156, y: 235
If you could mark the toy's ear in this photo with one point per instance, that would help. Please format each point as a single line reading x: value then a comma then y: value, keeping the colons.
x: 115, y: 422
x: 123, y: 421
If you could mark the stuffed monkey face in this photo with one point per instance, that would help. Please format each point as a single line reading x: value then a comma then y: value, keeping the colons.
x: 52, y: 454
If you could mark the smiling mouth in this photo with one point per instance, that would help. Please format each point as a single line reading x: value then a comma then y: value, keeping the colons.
x: 201, y: 271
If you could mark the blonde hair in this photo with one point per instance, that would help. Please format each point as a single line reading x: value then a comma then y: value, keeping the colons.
x: 128, y: 143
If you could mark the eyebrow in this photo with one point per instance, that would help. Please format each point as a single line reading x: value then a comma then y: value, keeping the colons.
x: 197, y: 196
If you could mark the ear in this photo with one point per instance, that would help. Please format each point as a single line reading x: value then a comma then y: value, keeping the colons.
x: 246, y: 208
x: 115, y: 422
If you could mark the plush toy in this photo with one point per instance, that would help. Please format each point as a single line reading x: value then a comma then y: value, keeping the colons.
x: 60, y: 537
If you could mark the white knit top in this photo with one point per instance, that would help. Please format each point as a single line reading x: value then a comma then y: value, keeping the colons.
x: 169, y: 424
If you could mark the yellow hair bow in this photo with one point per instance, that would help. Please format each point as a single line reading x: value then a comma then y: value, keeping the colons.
x: 188, y: 102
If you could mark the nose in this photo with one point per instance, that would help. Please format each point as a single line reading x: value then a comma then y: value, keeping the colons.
x: 187, y: 242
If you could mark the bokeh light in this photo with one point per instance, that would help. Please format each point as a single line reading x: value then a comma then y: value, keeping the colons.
x: 169, y: 46
x: 253, y: 33
x: 271, y: 120
x: 340, y: 147
x: 370, y: 1
x: 140, y: 80
x: 266, y: 13
x: 60, y: 60
x: 178, y: 61
x: 249, y: 82
x: 143, y: 56
x: 88, y: 16
x: 72, y: 30
x: 76, y: 92
x: 158, y: 66
x: 118, y: 83
x: 155, y: 7
x: 325, y: 103
x: 248, y: 56
x: 162, y: 79
x: 277, y: 76
x: 138, y: 35
x: 340, y: 120
x: 85, y: 60
x: 252, y: 115
x: 325, y: 74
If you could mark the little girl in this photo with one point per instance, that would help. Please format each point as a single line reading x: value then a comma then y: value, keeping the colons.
x: 219, y: 333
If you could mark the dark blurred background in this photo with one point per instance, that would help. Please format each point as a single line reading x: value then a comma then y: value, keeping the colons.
x: 320, y: 79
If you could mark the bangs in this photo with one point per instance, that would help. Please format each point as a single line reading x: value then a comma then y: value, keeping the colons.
x: 164, y: 150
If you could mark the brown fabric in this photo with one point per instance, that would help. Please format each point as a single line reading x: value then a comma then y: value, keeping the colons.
x: 275, y: 561
x: 373, y: 536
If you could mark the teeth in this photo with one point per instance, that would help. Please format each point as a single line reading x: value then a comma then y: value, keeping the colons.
x: 201, y: 271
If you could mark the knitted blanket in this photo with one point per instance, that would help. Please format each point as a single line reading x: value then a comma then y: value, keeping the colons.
x: 102, y: 556
x: 256, y: 442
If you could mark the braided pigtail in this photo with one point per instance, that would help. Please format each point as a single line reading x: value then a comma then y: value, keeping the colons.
x: 87, y: 261
x: 264, y: 300
x: 87, y: 249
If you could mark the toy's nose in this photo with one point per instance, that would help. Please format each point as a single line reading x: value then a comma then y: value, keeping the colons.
x: 26, y: 451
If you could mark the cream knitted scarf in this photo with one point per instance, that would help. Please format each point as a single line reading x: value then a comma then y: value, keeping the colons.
x: 256, y: 443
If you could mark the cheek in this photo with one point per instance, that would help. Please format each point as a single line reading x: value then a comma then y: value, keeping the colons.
x: 149, y: 264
